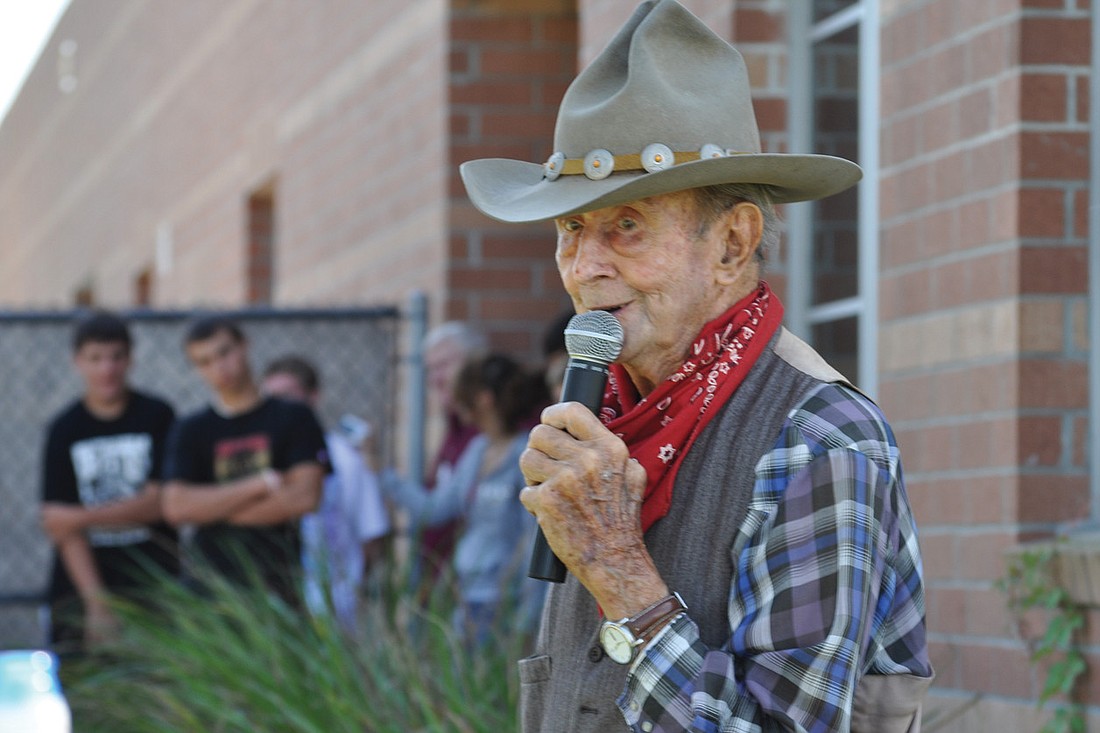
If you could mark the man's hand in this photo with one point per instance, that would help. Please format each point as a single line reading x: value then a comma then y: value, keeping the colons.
x: 587, y: 493
x: 60, y: 520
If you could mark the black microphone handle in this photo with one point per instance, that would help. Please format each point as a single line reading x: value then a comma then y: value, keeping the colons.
x: 584, y: 382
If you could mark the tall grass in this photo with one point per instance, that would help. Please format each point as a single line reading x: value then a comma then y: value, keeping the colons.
x: 242, y: 660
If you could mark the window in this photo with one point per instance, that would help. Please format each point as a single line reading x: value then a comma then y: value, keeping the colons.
x: 833, y: 252
x: 260, y: 246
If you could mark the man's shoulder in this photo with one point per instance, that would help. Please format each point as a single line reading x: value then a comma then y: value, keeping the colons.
x: 835, y: 415
x: 67, y: 419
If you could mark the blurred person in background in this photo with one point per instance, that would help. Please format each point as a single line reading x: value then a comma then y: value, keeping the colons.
x: 101, y: 473
x: 555, y: 357
x: 245, y: 469
x: 343, y: 539
x: 446, y: 348
x: 496, y: 395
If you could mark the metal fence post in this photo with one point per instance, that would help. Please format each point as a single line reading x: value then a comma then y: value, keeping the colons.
x: 416, y: 398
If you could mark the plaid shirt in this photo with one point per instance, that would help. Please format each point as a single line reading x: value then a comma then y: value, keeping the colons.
x: 827, y: 588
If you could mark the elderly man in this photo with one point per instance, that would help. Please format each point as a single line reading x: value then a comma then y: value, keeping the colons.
x: 741, y: 550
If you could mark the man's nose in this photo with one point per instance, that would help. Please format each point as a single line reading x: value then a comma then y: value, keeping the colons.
x: 592, y: 259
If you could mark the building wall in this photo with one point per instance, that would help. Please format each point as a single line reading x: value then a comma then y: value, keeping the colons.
x: 510, y: 63
x: 181, y: 111
x: 983, y: 362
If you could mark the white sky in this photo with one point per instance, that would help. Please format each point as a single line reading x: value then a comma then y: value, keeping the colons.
x: 25, y: 26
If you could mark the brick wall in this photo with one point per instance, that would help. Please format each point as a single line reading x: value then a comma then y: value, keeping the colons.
x: 982, y: 355
x: 181, y: 111
x: 510, y: 63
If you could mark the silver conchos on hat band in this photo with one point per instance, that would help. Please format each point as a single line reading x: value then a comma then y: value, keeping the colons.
x: 711, y: 151
x: 552, y: 168
x: 599, y: 164
x: 657, y: 157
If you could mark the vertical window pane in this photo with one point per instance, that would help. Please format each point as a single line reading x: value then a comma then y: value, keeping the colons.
x: 836, y: 132
x: 838, y: 343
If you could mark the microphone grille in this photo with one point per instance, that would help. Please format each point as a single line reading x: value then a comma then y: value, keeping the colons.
x: 594, y: 336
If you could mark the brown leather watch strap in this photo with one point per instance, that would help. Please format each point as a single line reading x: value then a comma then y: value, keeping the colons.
x: 652, y: 617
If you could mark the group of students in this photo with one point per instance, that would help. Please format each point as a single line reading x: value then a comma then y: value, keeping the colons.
x: 269, y: 497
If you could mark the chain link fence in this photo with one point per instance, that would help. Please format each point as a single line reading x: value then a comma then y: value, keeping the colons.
x: 355, y: 352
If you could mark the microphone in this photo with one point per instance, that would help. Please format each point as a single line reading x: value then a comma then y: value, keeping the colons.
x: 593, y: 340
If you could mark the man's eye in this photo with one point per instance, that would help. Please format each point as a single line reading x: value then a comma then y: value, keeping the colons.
x: 571, y: 225
x: 627, y: 223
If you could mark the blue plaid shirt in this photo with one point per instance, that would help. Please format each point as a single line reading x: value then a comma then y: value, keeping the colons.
x: 827, y: 588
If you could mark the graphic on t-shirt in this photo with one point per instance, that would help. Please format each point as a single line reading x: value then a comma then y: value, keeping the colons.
x: 111, y: 468
x: 236, y: 458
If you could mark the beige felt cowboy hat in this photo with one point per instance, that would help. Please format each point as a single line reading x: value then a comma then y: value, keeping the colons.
x: 665, y: 107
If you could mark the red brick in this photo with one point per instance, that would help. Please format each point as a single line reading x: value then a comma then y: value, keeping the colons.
x: 490, y: 278
x: 492, y: 93
x: 995, y: 670
x: 524, y: 61
x: 906, y: 294
x: 1045, y: 97
x: 531, y: 245
x: 946, y: 610
x: 981, y: 554
x: 947, y: 661
x: 938, y: 18
x: 771, y: 114
x: 1053, y: 270
x: 974, y: 224
x: 1042, y: 213
x: 1052, y: 498
x: 531, y: 125
x: 512, y: 308
x: 987, y: 613
x: 991, y: 163
x: 975, y: 113
x: 1045, y: 40
x: 751, y: 25
x: 989, y: 53
x: 1058, y: 155
x: 491, y: 28
x: 1053, y: 384
x: 562, y: 32
x: 1040, y: 440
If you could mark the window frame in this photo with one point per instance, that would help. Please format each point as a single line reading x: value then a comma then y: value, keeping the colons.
x: 802, y: 315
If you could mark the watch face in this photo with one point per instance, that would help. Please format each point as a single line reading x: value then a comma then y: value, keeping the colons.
x: 617, y: 642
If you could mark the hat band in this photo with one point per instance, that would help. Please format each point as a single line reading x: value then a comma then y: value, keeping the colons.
x: 600, y: 163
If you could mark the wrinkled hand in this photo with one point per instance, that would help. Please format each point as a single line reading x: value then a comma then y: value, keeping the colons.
x: 586, y: 492
x: 61, y: 520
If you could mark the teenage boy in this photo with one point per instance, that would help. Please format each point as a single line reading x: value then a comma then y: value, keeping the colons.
x: 344, y: 538
x: 245, y: 469
x: 100, y: 488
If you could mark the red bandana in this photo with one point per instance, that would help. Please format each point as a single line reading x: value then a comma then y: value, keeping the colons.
x: 660, y: 429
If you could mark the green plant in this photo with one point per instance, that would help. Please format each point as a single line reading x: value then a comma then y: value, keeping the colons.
x: 1030, y: 583
x: 237, y: 661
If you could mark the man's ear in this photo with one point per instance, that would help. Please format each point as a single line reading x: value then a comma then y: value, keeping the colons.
x: 743, y: 229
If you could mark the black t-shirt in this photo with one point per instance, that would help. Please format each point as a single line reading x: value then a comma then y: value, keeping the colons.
x: 208, y: 448
x: 91, y: 462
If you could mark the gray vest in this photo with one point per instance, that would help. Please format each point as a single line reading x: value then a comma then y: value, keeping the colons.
x: 569, y: 684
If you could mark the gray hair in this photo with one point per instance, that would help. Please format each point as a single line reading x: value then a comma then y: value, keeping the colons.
x: 472, y: 341
x: 713, y: 201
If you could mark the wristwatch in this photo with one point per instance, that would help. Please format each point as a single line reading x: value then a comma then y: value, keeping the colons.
x: 621, y: 639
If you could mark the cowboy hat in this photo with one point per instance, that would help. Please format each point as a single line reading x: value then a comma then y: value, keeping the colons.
x: 665, y: 107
